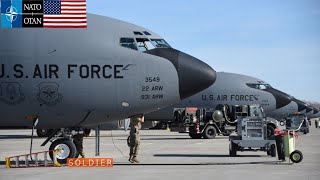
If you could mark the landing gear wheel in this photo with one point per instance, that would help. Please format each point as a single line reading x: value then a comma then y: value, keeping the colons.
x: 296, y: 156
x: 195, y: 135
x: 77, y: 154
x: 210, y: 132
x: 164, y: 125
x: 272, y: 151
x: 68, y: 150
x: 270, y: 131
x: 43, y: 132
x: 233, y: 149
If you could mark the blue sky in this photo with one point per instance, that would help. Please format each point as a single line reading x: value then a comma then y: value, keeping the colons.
x: 276, y: 41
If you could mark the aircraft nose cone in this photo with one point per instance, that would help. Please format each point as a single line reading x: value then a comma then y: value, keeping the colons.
x: 282, y: 99
x: 316, y: 113
x: 194, y: 75
x: 301, y: 105
x: 309, y: 109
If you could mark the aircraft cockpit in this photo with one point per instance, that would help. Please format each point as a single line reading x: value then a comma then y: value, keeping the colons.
x: 259, y: 86
x: 143, y: 43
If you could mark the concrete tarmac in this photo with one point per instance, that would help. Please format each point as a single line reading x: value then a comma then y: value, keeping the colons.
x: 166, y: 155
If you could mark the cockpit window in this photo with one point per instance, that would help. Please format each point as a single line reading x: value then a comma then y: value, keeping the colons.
x: 128, y: 43
x: 160, y: 43
x: 268, y: 86
x: 146, y: 33
x: 137, y: 33
x: 255, y: 86
x: 259, y: 86
x: 262, y: 86
x: 143, y: 44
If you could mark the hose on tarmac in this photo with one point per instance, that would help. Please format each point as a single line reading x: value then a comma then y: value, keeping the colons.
x: 117, y: 147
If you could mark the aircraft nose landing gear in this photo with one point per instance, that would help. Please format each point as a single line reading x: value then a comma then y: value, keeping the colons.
x: 67, y: 150
x: 63, y: 139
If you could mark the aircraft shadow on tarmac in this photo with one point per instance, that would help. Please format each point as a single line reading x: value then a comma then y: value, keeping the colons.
x: 220, y: 156
x: 170, y: 138
x: 181, y: 138
x: 202, y: 155
x: 149, y: 135
x: 164, y: 139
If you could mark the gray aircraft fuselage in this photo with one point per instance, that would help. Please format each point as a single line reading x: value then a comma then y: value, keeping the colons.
x: 235, y: 89
x: 316, y: 113
x: 81, y: 77
x: 307, y: 109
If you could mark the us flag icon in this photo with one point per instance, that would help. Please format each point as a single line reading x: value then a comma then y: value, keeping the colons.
x: 64, y: 14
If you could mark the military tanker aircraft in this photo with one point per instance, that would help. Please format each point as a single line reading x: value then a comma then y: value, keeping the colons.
x: 68, y: 78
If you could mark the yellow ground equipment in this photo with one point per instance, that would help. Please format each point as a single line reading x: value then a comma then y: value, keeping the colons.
x: 286, y: 144
x: 289, y: 144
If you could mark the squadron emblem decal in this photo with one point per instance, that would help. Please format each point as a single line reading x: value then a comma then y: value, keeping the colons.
x: 10, y: 93
x: 49, y: 94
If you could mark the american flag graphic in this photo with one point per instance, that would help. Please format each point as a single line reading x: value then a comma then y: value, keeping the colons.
x: 64, y: 14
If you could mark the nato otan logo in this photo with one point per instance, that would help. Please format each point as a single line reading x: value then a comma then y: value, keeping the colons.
x: 11, y: 13
x: 43, y: 13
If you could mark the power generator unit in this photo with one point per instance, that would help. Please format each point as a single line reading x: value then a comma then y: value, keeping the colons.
x: 251, y: 135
